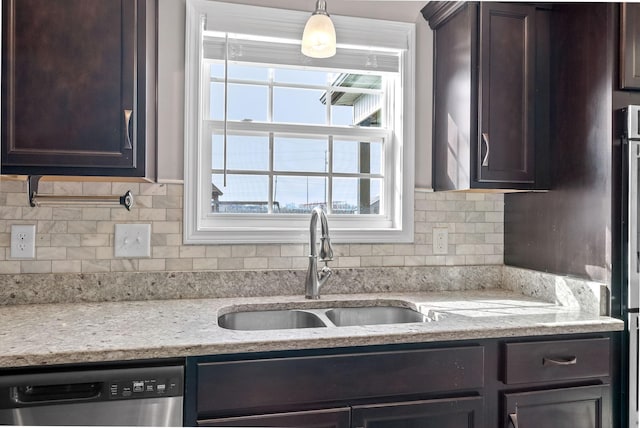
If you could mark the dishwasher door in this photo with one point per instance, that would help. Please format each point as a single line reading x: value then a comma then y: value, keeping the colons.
x: 149, y: 396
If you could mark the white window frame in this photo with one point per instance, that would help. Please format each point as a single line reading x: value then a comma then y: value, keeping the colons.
x: 202, y: 227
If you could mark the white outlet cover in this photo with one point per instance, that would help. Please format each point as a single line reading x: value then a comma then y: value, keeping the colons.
x: 440, y: 240
x: 132, y: 240
x: 23, y: 241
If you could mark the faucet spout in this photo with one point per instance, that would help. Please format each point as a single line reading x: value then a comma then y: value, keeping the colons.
x: 314, y: 278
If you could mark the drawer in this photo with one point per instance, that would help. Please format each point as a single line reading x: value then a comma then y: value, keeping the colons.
x: 556, y: 360
x: 265, y: 385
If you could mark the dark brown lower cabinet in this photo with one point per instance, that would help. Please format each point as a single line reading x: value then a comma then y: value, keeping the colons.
x: 326, y: 418
x: 584, y: 407
x: 566, y: 381
x: 465, y: 412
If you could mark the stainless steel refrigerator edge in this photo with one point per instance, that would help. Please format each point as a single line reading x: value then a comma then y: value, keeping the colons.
x: 630, y: 134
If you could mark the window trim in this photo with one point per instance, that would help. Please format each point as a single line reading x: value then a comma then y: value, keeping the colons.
x: 293, y: 228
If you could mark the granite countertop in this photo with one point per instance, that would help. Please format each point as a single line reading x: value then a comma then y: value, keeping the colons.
x: 44, y: 334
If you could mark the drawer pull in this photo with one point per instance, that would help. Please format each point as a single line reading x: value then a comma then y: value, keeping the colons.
x: 513, y: 418
x: 570, y: 361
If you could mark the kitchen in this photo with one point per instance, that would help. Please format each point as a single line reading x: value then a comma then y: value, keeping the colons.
x: 75, y: 263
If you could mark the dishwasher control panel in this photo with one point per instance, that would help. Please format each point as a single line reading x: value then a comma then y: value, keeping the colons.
x: 145, y: 387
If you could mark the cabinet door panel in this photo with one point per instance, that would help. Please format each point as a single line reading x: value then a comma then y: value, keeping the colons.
x: 630, y: 46
x: 69, y: 86
x: 585, y: 407
x: 463, y: 412
x: 329, y: 418
x: 506, y: 130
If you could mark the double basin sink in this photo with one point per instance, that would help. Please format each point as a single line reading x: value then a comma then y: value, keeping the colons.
x: 374, y: 314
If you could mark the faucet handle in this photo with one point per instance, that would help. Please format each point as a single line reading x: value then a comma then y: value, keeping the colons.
x: 326, y: 250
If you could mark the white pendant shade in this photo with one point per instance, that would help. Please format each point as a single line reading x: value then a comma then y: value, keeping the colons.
x: 319, y: 37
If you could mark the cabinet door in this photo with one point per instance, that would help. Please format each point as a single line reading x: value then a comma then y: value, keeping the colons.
x: 72, y: 90
x: 584, y: 407
x: 328, y: 418
x: 630, y: 46
x: 463, y: 412
x: 506, y: 127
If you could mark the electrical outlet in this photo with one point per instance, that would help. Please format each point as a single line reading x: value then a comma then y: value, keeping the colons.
x: 440, y: 241
x: 133, y: 240
x: 23, y: 241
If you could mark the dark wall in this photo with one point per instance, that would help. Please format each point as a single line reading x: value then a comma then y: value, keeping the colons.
x: 568, y: 230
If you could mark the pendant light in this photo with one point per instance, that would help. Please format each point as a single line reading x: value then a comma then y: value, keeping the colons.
x: 319, y: 37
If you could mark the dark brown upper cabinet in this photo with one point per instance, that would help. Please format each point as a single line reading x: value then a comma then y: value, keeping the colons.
x: 491, y: 96
x: 630, y: 46
x: 78, y: 84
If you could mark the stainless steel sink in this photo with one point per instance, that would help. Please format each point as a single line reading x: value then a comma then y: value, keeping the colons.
x: 374, y: 315
x: 269, y: 320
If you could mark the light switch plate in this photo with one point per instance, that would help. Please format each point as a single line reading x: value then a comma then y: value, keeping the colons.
x: 23, y: 241
x: 132, y: 240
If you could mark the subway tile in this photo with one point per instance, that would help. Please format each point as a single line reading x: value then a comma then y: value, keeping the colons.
x: 243, y: 251
x: 229, y: 263
x: 268, y: 250
x: 165, y: 227
x: 218, y: 251
x: 96, y: 266
x: 51, y: 253
x: 82, y: 227
x: 66, y: 266
x: 9, y: 267
x: 65, y: 240
x: 123, y: 265
x: 292, y: 250
x: 165, y: 252
x: 192, y: 251
x: 347, y: 262
x: 81, y: 253
x: 256, y: 263
x: 151, y: 265
x: 179, y: 265
x: 94, y: 240
x: 205, y: 264
x: 35, y: 266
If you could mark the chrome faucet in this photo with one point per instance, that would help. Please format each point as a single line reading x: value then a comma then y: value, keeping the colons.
x: 315, y: 279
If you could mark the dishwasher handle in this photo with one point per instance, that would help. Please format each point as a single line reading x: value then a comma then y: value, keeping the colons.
x: 32, y: 394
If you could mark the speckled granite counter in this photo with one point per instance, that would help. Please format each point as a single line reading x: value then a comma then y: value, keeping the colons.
x: 87, y: 332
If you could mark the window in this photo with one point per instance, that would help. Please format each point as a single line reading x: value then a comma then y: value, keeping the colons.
x: 270, y: 134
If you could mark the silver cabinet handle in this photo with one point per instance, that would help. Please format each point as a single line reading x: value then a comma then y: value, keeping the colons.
x: 513, y: 418
x: 570, y: 361
x: 127, y: 125
x: 485, y: 159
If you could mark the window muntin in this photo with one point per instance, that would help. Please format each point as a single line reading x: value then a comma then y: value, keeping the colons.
x: 276, y: 63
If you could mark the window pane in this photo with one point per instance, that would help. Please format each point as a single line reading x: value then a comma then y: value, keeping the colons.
x: 306, y: 77
x: 342, y: 115
x: 216, y: 101
x: 243, y: 194
x: 356, y: 196
x: 291, y: 105
x: 217, y: 70
x: 353, y: 80
x: 243, y: 152
x: 248, y: 72
x: 248, y: 102
x: 355, y: 157
x: 299, y: 194
x: 353, y: 108
x: 300, y: 154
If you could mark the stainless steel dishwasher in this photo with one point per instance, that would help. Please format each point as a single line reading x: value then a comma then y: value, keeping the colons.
x: 140, y: 396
